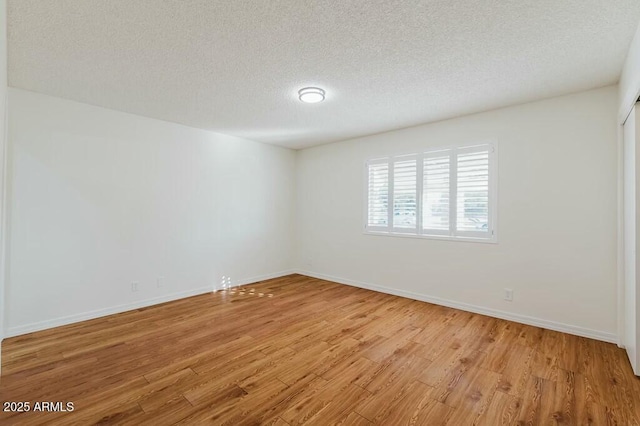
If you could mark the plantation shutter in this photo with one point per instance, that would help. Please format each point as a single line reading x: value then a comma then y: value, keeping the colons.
x: 436, y: 193
x: 473, y: 191
x: 445, y: 193
x: 405, y: 194
x: 378, y: 194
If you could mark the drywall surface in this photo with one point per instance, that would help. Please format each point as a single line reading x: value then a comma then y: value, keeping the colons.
x: 629, y: 88
x: 103, y: 201
x: 557, y: 217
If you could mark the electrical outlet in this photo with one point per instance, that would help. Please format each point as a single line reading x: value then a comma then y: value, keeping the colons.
x: 160, y: 282
x: 134, y: 286
x: 508, y: 295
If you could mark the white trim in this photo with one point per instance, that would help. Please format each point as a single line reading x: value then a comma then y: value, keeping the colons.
x: 620, y: 243
x: 71, y: 319
x: 444, y: 237
x: 257, y: 278
x: 523, y: 319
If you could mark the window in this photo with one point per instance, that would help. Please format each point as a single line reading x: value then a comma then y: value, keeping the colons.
x: 447, y: 193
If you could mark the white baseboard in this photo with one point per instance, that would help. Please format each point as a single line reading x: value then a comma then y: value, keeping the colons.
x: 523, y: 319
x: 84, y: 316
x: 264, y: 277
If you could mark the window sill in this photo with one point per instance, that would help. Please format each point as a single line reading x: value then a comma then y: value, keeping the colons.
x: 492, y: 240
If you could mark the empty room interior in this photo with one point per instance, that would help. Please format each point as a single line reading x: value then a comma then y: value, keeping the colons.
x: 416, y: 212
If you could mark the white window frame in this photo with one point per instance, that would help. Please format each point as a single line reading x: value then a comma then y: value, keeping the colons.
x: 491, y: 236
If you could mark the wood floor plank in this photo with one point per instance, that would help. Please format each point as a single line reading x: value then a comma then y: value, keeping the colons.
x: 407, y: 409
x: 516, y: 369
x: 434, y: 413
x: 468, y: 391
x: 263, y: 408
x: 299, y: 350
x: 338, y: 411
x: 354, y: 419
x: 501, y: 411
x: 379, y: 404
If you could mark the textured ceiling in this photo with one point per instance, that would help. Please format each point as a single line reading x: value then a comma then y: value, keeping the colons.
x: 235, y: 66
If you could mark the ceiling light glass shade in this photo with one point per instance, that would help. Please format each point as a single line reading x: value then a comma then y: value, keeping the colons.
x: 311, y: 95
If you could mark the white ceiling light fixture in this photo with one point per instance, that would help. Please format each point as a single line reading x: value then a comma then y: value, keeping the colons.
x: 311, y: 95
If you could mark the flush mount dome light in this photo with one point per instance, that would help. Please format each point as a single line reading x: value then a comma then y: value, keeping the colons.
x: 311, y: 95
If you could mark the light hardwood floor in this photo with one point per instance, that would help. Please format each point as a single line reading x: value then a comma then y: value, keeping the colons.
x: 300, y: 350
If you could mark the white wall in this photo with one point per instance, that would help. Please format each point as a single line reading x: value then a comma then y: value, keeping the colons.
x: 557, y: 217
x: 101, y: 198
x: 629, y: 87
